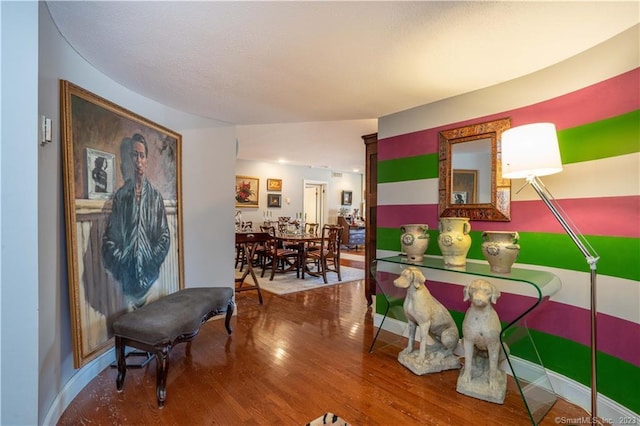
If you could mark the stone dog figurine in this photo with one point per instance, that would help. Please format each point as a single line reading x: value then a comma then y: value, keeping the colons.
x: 481, y: 332
x: 435, y: 322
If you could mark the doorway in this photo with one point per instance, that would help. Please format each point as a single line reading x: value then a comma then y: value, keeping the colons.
x: 314, y: 202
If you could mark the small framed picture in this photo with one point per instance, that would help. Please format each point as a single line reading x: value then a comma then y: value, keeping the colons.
x: 101, y: 174
x: 274, y: 200
x: 347, y: 197
x: 459, y: 197
x: 274, y: 184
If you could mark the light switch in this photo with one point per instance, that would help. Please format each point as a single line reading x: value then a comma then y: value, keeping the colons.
x: 45, y: 130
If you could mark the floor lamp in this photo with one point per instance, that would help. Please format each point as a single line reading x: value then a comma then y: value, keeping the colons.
x: 531, y: 151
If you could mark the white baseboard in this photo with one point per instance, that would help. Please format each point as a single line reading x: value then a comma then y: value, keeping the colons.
x: 564, y: 387
x: 77, y: 382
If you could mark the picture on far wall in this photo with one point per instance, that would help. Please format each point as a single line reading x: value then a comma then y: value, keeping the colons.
x: 247, y: 194
x: 465, y: 186
x: 274, y: 200
x: 114, y: 161
x: 274, y: 184
x: 347, y: 197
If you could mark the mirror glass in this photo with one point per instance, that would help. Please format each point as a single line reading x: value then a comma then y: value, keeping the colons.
x: 470, y: 182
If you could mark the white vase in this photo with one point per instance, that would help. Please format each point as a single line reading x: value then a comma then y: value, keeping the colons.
x: 501, y: 249
x: 414, y: 241
x: 454, y: 240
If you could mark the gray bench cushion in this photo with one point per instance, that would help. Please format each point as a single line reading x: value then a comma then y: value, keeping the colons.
x: 173, y: 315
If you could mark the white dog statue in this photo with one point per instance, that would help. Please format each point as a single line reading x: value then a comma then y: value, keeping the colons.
x: 481, y: 340
x: 438, y: 332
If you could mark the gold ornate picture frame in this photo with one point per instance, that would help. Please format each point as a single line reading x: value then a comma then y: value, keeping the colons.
x: 274, y: 184
x: 123, y: 217
x: 247, y: 191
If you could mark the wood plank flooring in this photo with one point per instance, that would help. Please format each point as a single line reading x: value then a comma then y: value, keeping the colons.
x: 289, y: 361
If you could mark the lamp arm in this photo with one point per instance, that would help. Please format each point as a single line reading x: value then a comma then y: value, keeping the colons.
x: 547, y: 198
x: 592, y: 260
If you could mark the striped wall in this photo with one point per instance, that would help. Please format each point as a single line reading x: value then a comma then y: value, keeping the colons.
x: 599, y: 188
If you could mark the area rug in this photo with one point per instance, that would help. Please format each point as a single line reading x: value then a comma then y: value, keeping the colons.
x: 351, y: 256
x: 288, y: 283
x: 328, y: 419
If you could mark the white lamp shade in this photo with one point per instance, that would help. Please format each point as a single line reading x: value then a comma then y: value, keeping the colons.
x: 530, y: 150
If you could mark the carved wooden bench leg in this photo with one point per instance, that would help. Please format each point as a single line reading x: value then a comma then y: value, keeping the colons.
x: 227, y: 319
x: 162, y: 369
x: 122, y: 363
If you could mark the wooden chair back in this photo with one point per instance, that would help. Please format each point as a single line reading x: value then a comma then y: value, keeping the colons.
x: 327, y: 256
x: 311, y: 228
x: 282, y: 227
x: 278, y: 258
x: 331, y: 239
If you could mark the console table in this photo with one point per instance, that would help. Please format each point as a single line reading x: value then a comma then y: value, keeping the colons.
x: 523, y: 291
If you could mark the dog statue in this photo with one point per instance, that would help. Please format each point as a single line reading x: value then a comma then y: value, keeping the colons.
x: 438, y: 331
x: 481, y: 333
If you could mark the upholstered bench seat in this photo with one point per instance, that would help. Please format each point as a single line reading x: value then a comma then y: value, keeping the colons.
x: 160, y: 325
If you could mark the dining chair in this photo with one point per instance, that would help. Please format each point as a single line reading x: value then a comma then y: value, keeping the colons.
x: 260, y: 249
x: 241, y: 255
x: 311, y: 228
x: 279, y: 259
x: 327, y: 257
x: 282, y: 227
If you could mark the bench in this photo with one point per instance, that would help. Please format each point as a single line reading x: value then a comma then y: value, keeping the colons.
x: 159, y: 326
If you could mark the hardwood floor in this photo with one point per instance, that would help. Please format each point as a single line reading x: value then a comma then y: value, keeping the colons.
x: 289, y: 361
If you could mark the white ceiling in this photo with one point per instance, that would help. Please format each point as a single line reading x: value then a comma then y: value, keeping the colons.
x: 332, y: 68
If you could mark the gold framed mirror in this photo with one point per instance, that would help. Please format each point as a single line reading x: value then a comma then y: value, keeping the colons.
x: 470, y: 173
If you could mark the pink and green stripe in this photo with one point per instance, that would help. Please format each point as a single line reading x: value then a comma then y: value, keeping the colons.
x: 606, y: 138
x: 618, y: 255
x: 592, y: 215
x: 614, y: 97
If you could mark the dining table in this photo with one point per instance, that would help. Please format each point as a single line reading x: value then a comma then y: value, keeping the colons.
x: 301, y: 242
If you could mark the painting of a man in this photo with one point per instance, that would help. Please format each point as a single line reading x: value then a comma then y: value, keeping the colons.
x: 124, y: 240
x: 137, y: 239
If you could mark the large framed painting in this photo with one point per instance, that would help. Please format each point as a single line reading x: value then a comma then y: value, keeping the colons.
x: 123, y: 214
x: 247, y: 191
